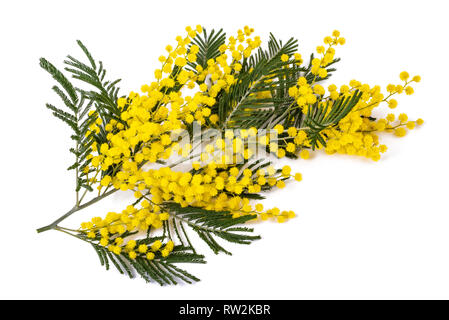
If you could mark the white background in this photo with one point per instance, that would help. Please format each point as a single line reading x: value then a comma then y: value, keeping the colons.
x: 364, y: 229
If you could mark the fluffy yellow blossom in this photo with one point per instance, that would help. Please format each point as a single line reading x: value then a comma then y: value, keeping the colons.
x: 134, y: 144
x: 404, y: 75
x: 304, y: 154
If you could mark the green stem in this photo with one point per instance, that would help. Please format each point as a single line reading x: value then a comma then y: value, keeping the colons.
x: 55, y: 223
x: 78, y: 207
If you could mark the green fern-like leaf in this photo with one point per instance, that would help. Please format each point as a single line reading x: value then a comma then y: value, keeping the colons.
x: 236, y: 107
x: 161, y: 270
x: 209, y: 45
x: 74, y: 116
x: 211, y: 224
x: 324, y: 115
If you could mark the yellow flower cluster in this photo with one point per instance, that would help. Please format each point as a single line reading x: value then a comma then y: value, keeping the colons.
x: 109, y: 230
x: 147, y: 120
x: 357, y: 133
x: 143, y: 135
x: 306, y: 93
x: 212, y: 188
x: 295, y: 140
x: 195, y: 143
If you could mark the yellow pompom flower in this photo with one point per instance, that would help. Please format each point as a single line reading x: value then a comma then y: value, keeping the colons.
x: 180, y: 62
x: 286, y: 171
x: 292, y: 131
x: 280, y: 184
x: 304, y: 154
x: 390, y: 117
x: 106, y: 181
x: 392, y: 104
x: 417, y: 78
x: 131, y: 148
x: 403, y: 117
x: 410, y: 125
x: 404, y: 75
x: 279, y: 128
x: 142, y: 248
x: 409, y: 90
x: 156, y: 245
x: 131, y: 244
x: 150, y: 255
x: 400, y: 132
